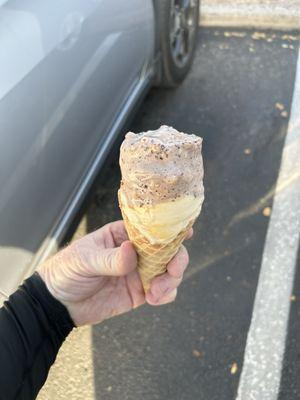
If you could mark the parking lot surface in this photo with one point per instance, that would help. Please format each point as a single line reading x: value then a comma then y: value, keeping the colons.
x: 238, y: 97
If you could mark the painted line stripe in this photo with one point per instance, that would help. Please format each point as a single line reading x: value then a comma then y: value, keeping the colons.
x: 282, y: 10
x: 260, y: 378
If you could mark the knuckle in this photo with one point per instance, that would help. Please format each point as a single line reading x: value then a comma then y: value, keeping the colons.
x: 111, y: 261
x: 78, y: 254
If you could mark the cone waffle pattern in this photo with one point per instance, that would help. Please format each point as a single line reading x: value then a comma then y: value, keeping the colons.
x: 153, y: 258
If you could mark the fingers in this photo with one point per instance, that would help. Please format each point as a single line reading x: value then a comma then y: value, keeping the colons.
x: 167, y: 298
x: 163, y: 288
x: 110, y: 235
x: 178, y: 264
x: 118, y: 232
x: 116, y: 261
x: 162, y: 285
x: 127, y: 260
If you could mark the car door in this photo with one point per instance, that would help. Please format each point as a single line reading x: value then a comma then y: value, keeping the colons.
x: 67, y: 67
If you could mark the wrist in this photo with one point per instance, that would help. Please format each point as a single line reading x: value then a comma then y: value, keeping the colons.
x: 56, y: 312
x: 50, y: 272
x: 59, y: 277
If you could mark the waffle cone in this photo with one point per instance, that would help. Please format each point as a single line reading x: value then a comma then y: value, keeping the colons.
x: 152, y: 258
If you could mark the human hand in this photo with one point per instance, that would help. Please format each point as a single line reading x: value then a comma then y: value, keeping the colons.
x: 96, y: 276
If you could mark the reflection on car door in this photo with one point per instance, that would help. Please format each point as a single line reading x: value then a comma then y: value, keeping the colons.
x: 66, y: 69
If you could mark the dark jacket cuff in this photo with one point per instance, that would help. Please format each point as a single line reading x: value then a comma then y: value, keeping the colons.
x: 56, y: 312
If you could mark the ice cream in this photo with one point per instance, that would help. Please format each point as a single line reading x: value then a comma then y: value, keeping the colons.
x: 161, y: 193
x: 162, y: 222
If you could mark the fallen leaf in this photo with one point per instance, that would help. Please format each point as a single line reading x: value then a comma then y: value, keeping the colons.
x: 289, y: 37
x: 258, y: 35
x: 109, y: 388
x: 284, y: 114
x: 234, y: 368
x: 247, y: 151
x: 279, y: 106
x: 235, y: 34
x: 293, y: 297
x: 197, y: 353
x: 267, y: 211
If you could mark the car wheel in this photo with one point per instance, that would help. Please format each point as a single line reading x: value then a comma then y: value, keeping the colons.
x: 177, y: 28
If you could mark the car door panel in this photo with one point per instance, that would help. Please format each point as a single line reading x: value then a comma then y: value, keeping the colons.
x: 68, y: 68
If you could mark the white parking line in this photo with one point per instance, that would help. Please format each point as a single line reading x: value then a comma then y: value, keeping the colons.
x: 260, y: 377
x: 272, y: 14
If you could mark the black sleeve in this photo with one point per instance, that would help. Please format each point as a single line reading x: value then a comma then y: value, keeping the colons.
x: 33, y: 326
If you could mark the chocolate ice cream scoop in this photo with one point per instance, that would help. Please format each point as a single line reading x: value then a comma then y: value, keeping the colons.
x: 161, y: 165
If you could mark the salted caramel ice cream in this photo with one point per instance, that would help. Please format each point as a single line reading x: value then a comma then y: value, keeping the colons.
x: 161, y: 193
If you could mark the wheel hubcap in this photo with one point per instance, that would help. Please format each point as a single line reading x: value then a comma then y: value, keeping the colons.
x: 182, y: 30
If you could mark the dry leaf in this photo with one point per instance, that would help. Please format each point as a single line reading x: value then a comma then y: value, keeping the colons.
x: 293, y: 297
x: 234, y: 368
x: 235, y: 34
x: 289, y: 37
x: 284, y: 114
x: 197, y: 353
x: 267, y: 211
x: 258, y: 35
x: 279, y: 106
x: 247, y: 151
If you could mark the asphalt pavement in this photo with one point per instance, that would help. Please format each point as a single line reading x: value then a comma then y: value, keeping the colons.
x: 237, y: 97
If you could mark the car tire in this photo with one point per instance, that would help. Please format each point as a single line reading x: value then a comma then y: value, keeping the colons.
x: 177, y: 31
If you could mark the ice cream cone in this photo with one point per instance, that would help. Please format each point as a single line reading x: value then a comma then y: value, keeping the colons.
x: 161, y: 194
x: 152, y: 258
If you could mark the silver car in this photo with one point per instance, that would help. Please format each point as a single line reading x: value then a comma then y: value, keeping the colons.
x: 71, y: 72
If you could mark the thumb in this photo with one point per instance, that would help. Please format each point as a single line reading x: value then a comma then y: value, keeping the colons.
x: 117, y: 261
